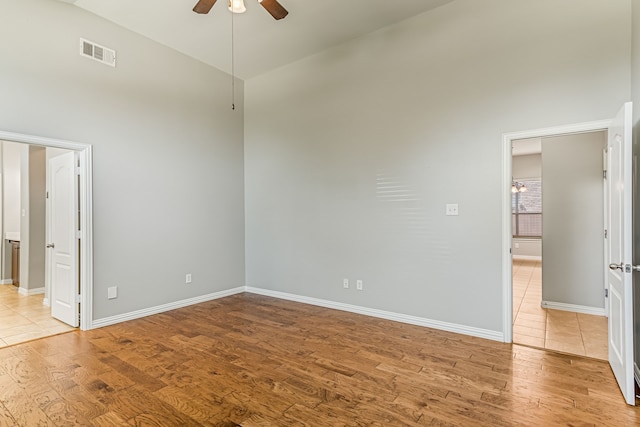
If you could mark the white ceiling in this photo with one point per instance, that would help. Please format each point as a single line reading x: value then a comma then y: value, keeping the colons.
x: 261, y: 43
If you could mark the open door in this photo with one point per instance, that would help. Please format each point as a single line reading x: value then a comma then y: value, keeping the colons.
x: 63, y: 243
x: 620, y: 244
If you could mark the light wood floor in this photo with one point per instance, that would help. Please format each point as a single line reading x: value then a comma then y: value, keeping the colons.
x: 574, y: 333
x: 256, y: 361
x: 24, y: 318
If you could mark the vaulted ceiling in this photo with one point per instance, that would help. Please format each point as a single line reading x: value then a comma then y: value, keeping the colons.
x: 261, y: 43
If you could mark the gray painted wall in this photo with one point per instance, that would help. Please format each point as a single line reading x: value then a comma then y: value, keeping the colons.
x: 418, y: 108
x: 527, y: 166
x: 36, y: 219
x: 168, y: 150
x: 573, y: 219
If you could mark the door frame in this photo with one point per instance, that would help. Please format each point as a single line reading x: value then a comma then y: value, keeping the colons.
x: 507, y: 266
x: 85, y: 190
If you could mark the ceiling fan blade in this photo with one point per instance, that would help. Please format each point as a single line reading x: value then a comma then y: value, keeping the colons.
x: 204, y: 6
x: 274, y: 8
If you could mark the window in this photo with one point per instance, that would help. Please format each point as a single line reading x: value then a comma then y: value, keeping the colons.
x: 526, y: 209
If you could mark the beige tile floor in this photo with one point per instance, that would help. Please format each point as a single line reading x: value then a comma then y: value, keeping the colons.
x: 24, y: 318
x: 564, y: 331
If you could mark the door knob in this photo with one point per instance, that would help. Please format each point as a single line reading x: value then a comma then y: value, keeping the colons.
x: 628, y: 268
x: 51, y: 245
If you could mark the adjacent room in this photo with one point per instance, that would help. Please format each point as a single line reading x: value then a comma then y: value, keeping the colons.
x: 558, y: 206
x: 26, y: 219
x: 300, y: 212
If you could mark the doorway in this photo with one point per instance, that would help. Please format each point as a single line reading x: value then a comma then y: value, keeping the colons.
x: 84, y: 234
x: 508, y: 267
x: 24, y: 295
x: 562, y: 307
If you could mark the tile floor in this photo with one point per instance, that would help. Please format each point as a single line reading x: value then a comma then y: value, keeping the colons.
x: 24, y: 318
x: 564, y: 331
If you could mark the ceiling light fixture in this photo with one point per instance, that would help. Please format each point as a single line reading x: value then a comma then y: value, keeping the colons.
x: 518, y: 187
x: 237, y: 6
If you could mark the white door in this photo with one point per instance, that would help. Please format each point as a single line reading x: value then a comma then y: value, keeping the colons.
x: 620, y: 272
x: 63, y: 244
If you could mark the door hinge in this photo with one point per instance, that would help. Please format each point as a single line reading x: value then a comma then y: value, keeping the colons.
x: 78, y: 299
x: 77, y: 170
x: 606, y: 233
x: 78, y: 234
x: 606, y: 293
x: 604, y: 174
x: 47, y: 195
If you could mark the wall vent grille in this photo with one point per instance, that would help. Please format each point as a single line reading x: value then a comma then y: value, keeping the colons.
x: 97, y: 52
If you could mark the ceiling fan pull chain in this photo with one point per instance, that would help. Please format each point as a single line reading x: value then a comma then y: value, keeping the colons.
x: 233, y: 71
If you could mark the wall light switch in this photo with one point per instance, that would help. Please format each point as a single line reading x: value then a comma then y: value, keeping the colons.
x: 452, y: 209
x: 112, y: 292
x: 359, y: 285
x: 345, y: 283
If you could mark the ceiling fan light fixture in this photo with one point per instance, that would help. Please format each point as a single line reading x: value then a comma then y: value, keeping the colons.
x: 237, y: 6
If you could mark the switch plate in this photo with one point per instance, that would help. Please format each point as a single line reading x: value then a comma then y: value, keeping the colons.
x: 187, y: 278
x: 345, y: 283
x: 452, y: 209
x: 359, y: 285
x: 112, y: 292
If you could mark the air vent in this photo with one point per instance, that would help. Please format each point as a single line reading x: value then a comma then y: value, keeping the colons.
x: 99, y: 53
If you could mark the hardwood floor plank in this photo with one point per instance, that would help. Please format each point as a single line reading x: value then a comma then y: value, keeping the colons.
x: 20, y: 405
x: 6, y: 419
x: 249, y: 360
x: 109, y: 419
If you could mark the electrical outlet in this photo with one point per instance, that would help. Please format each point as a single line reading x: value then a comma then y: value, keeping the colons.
x: 187, y: 278
x: 345, y: 283
x: 112, y: 292
x: 359, y: 285
x: 452, y: 209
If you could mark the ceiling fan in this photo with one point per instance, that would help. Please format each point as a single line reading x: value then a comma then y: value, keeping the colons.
x: 273, y: 7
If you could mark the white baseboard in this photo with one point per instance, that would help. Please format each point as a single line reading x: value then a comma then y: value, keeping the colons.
x: 6, y: 282
x: 27, y: 292
x: 597, y: 311
x: 45, y: 302
x: 112, y: 320
x: 398, y: 317
x: 527, y: 258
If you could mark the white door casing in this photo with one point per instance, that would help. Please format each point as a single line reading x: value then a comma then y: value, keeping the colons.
x: 85, y: 157
x: 605, y: 243
x: 620, y: 244
x: 63, y: 203
x: 507, y: 141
